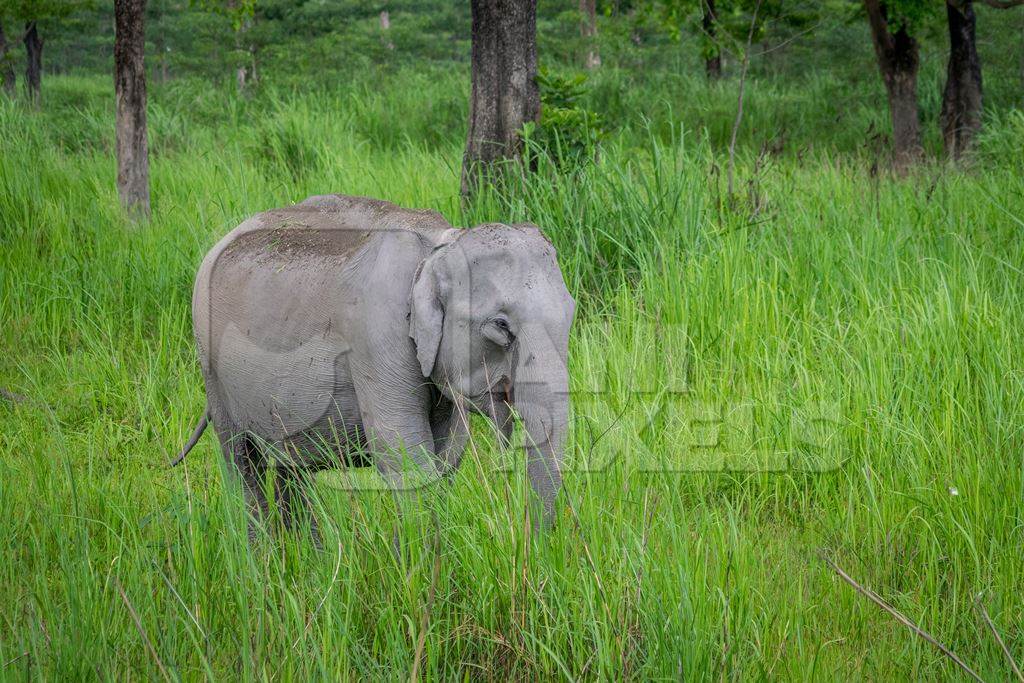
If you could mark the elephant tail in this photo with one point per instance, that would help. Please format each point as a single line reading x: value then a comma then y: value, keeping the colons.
x: 196, y: 433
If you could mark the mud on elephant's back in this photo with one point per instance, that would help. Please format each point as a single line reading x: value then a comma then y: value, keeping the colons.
x: 293, y: 234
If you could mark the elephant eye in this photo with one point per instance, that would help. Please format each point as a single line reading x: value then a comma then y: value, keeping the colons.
x: 498, y: 330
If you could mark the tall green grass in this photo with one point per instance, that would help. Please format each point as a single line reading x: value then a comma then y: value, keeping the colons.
x: 897, y: 303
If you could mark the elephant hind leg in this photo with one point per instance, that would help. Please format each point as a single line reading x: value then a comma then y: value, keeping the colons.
x: 292, y: 495
x: 246, y: 461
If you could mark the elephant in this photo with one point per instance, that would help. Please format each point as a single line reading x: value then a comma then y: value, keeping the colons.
x: 346, y: 331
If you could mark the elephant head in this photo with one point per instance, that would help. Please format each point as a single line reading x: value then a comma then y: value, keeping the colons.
x: 490, y: 317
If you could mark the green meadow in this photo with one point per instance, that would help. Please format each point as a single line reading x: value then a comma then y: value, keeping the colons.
x: 825, y: 365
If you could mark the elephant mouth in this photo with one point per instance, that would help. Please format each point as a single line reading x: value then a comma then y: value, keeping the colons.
x: 508, y: 391
x: 485, y: 402
x: 502, y: 390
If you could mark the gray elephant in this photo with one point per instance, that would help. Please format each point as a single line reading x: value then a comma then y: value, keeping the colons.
x: 345, y: 327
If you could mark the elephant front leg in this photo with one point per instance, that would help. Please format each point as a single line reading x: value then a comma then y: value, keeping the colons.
x: 394, y: 406
x: 407, y: 465
x: 402, y: 448
x: 450, y: 426
x: 404, y: 455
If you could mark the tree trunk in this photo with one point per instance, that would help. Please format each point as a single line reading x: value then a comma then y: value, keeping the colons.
x: 713, y: 54
x: 898, y: 62
x: 588, y: 29
x: 6, y: 65
x: 961, y: 101
x: 504, y: 94
x: 240, y: 68
x: 385, y: 29
x: 34, y: 62
x: 245, y: 53
x: 130, y: 91
x: 160, y: 43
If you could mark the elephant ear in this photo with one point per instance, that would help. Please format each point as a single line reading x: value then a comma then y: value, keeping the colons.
x: 426, y: 314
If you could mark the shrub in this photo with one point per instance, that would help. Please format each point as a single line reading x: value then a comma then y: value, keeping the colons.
x: 568, y: 133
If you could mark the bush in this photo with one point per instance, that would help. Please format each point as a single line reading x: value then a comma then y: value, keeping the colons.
x: 568, y: 133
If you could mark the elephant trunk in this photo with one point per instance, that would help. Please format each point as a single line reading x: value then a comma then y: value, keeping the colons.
x: 542, y: 401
